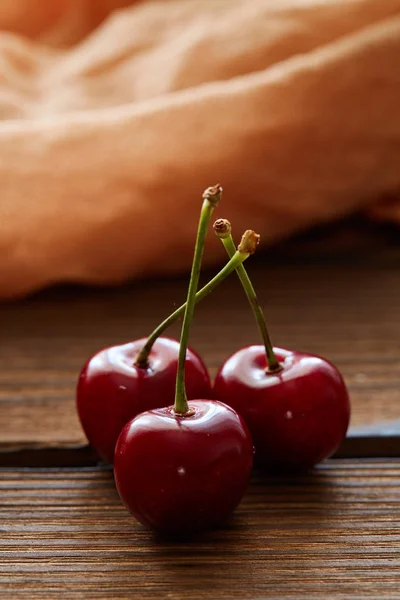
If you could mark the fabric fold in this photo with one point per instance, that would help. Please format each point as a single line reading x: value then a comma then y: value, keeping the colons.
x: 106, y: 146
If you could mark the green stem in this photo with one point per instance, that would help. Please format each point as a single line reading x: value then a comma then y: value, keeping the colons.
x: 211, y: 197
x: 272, y: 361
x: 237, y: 259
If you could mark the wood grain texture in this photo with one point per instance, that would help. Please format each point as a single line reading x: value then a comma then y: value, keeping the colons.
x: 332, y: 533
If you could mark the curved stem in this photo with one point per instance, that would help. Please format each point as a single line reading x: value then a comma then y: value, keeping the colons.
x: 273, y: 363
x: 211, y: 197
x: 237, y: 259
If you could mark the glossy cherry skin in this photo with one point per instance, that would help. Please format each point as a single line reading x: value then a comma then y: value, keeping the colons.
x: 177, y: 474
x: 298, y: 417
x: 112, y: 390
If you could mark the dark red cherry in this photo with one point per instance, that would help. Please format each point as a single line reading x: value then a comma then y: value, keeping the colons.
x: 180, y: 474
x: 112, y: 389
x: 297, y: 417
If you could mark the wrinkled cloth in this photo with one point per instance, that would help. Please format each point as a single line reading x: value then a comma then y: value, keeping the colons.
x: 115, y: 115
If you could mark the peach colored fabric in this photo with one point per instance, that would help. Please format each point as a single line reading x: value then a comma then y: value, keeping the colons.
x: 114, y: 121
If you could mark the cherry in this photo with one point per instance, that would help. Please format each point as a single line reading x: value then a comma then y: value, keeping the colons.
x: 120, y: 382
x: 112, y: 388
x: 297, y: 416
x: 185, y: 467
x: 179, y: 474
x: 296, y: 405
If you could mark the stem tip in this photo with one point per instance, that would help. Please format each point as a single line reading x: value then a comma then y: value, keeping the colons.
x: 249, y: 242
x: 213, y: 194
x: 222, y: 228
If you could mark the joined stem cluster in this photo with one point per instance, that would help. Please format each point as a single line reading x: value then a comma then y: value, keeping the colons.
x: 247, y: 246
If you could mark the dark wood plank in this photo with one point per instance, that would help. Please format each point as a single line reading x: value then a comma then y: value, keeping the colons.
x: 334, y: 312
x: 334, y: 533
x: 345, y: 309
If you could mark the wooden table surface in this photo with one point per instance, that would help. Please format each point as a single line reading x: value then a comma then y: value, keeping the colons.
x: 333, y: 533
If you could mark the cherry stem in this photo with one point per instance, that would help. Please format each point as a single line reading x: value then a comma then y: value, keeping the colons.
x: 211, y: 198
x: 237, y: 259
x: 222, y: 229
